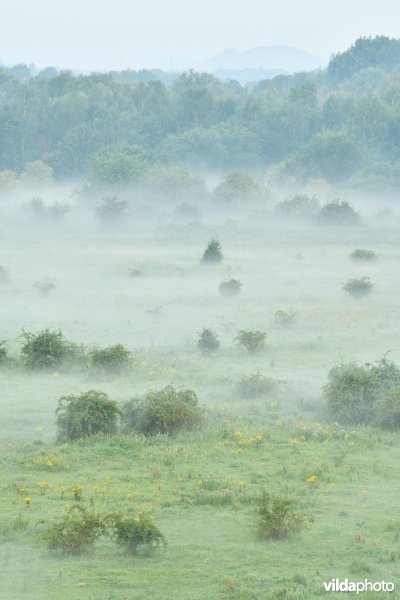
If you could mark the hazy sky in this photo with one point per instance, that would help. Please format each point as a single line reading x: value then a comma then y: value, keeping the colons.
x: 129, y: 33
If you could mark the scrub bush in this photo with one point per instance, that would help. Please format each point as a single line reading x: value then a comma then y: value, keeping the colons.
x: 111, y: 360
x: 133, y: 532
x: 48, y: 350
x: 278, y: 517
x: 213, y: 253
x: 253, y: 341
x: 208, y: 341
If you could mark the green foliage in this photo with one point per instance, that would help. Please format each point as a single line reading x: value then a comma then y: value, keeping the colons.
x: 133, y: 532
x: 239, y: 186
x: 88, y: 414
x: 37, y: 173
x: 114, y: 168
x: 256, y: 386
x: 358, y: 286
x: 164, y: 411
x: 389, y: 413
x: 208, y: 341
x: 362, y: 394
x: 111, y: 209
x: 76, y: 532
x: 48, y: 350
x: 213, y: 252
x: 111, y: 360
x: 253, y: 341
x: 338, y: 213
x: 362, y: 254
x: 299, y: 206
x: 285, y: 317
x: 277, y: 517
x: 3, y: 352
x: 230, y: 287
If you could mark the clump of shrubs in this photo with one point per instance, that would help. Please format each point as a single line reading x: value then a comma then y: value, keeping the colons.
x: 285, y: 317
x: 45, y: 286
x: 208, y: 341
x: 278, y: 518
x: 164, y: 411
x: 362, y: 254
x: 252, y: 341
x: 48, y: 349
x: 338, y: 213
x: 299, y: 206
x: 77, y: 531
x: 3, y: 353
x: 256, y: 386
x: 358, y: 286
x: 132, y: 532
x: 112, y: 360
x: 213, y: 253
x: 111, y: 209
x: 230, y: 287
x: 87, y: 414
x: 362, y: 394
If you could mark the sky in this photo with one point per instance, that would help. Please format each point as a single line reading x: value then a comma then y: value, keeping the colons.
x: 117, y: 34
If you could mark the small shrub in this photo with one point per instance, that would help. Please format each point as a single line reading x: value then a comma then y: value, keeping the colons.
x: 3, y: 352
x: 45, y: 286
x: 134, y: 272
x: 133, y: 532
x: 278, y: 517
x: 164, y: 411
x: 58, y: 210
x: 88, y: 414
x: 363, y: 255
x: 76, y: 532
x: 285, y: 317
x: 358, y: 287
x: 111, y: 209
x: 48, y: 350
x: 213, y: 252
x: 299, y: 206
x: 230, y: 287
x: 338, y: 213
x: 112, y: 360
x: 256, y: 386
x: 389, y: 413
x: 208, y: 341
x: 3, y: 273
x: 253, y: 341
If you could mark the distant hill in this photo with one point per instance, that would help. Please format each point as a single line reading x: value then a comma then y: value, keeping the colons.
x: 279, y: 58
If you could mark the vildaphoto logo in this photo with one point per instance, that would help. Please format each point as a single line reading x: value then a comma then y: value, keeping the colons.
x: 357, y: 587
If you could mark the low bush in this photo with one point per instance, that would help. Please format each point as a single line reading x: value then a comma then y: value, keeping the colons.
x: 111, y: 209
x: 277, y: 517
x: 213, y: 252
x: 45, y: 286
x: 3, y: 352
x: 88, y: 414
x: 111, y: 360
x: 208, y: 341
x: 162, y: 411
x: 299, y: 206
x: 338, y: 213
x: 134, y: 532
x: 285, y: 317
x: 389, y: 414
x: 230, y: 287
x: 363, y: 255
x: 76, y: 532
x: 358, y: 287
x: 252, y: 341
x: 256, y: 386
x: 48, y: 350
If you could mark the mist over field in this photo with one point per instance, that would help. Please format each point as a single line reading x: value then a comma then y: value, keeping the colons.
x: 200, y: 390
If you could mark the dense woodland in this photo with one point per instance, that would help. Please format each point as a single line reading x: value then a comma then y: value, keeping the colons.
x: 341, y: 124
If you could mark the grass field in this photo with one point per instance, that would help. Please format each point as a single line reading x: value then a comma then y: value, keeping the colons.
x: 203, y: 486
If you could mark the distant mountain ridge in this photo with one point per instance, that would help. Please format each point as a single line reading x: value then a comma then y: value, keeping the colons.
x: 280, y: 58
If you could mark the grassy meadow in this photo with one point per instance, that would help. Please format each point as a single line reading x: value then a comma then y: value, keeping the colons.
x: 201, y: 486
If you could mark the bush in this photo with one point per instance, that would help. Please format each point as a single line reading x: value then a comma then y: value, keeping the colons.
x: 253, y: 341
x: 389, y: 415
x: 88, y: 414
x: 164, y: 411
x: 256, y: 386
x: 278, y: 518
x: 363, y: 255
x: 76, y: 532
x: 45, y: 286
x: 111, y: 360
x: 111, y: 209
x: 362, y: 394
x: 358, y: 287
x: 338, y: 213
x: 230, y: 287
x: 133, y: 532
x: 208, y: 341
x: 298, y: 207
x: 213, y: 252
x: 285, y: 317
x: 48, y: 350
x: 3, y: 352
